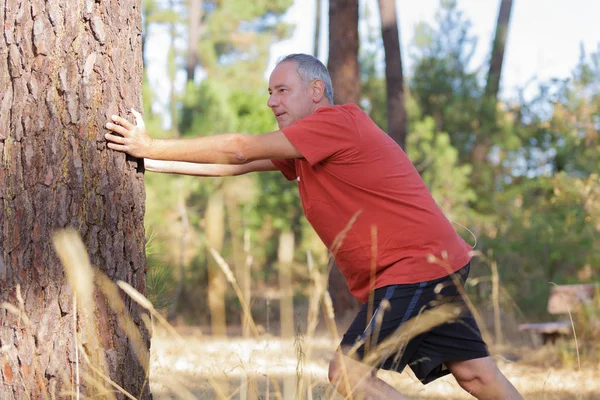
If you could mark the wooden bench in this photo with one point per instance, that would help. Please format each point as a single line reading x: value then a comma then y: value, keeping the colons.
x: 564, y: 299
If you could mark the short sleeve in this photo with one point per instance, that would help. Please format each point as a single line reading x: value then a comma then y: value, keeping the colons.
x: 326, y: 133
x: 287, y: 168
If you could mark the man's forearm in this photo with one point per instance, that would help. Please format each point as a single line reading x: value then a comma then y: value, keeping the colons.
x: 195, y: 169
x: 218, y: 149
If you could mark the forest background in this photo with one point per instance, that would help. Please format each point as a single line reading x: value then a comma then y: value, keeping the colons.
x: 530, y: 195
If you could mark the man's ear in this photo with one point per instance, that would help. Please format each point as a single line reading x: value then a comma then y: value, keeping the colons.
x: 318, y: 90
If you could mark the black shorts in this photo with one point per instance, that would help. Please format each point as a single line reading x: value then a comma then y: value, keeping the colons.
x: 427, y: 353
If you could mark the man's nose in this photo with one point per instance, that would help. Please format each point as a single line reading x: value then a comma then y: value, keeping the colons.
x: 272, y: 102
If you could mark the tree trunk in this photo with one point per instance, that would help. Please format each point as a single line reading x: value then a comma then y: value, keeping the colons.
x: 285, y: 256
x: 66, y: 67
x: 344, y: 304
x: 490, y: 99
x: 343, y: 50
x: 217, y: 284
x: 172, y: 69
x: 317, y: 38
x: 194, y: 15
x: 496, y: 304
x: 344, y: 69
x: 234, y: 216
x: 396, y: 112
x: 499, y: 46
x: 185, y: 226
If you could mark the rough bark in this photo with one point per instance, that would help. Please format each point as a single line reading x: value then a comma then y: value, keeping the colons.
x: 65, y: 68
x: 396, y: 112
x: 343, y: 50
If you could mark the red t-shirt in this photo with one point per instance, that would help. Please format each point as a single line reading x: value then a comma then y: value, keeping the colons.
x: 350, y: 166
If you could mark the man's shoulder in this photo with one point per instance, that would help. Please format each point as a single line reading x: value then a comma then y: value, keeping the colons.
x: 347, y: 107
x: 349, y: 112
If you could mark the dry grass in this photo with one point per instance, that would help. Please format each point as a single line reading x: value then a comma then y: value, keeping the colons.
x: 275, y: 358
x: 188, y: 365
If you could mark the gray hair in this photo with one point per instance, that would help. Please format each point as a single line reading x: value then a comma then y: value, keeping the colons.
x: 310, y: 68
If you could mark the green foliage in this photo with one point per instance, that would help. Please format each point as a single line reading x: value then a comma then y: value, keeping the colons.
x: 577, y: 115
x: 539, y: 218
x: 206, y: 109
x: 541, y: 221
x: 547, y: 231
x: 437, y: 162
x: 237, y: 32
x: 159, y: 280
x: 442, y: 82
x: 233, y: 51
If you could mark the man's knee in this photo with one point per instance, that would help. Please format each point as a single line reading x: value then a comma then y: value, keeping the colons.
x: 335, y: 368
x: 342, y: 366
x: 472, y: 375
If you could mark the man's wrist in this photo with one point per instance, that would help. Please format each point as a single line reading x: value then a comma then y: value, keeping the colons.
x: 151, y: 149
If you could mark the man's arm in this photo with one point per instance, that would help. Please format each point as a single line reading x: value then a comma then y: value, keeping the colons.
x: 195, y: 169
x: 220, y: 149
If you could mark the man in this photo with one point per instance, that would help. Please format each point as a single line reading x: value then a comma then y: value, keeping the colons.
x: 352, y: 177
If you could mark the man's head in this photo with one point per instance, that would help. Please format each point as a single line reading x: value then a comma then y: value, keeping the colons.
x: 298, y: 86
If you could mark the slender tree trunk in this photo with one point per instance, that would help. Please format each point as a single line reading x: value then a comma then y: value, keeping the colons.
x: 285, y: 256
x: 343, y: 50
x: 217, y: 284
x: 185, y: 226
x: 344, y: 68
x: 65, y: 68
x: 490, y: 99
x: 194, y: 15
x: 344, y: 304
x: 496, y: 303
x: 396, y: 112
x: 317, y: 38
x: 172, y: 70
x: 499, y: 47
x: 237, y: 243
x: 247, y: 281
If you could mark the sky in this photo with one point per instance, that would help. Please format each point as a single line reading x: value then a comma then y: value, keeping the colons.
x: 543, y: 41
x: 544, y: 35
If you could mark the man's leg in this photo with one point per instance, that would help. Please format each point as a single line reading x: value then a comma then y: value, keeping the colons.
x: 482, y: 378
x: 356, y: 380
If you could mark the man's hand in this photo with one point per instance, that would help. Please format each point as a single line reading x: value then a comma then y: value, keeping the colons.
x: 134, y: 141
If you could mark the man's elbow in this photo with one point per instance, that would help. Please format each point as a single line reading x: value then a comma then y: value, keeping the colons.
x: 239, y: 158
x: 241, y: 149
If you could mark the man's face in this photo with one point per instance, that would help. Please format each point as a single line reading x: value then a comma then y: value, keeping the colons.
x: 290, y: 97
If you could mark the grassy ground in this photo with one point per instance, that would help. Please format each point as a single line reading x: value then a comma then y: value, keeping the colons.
x: 198, y: 366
